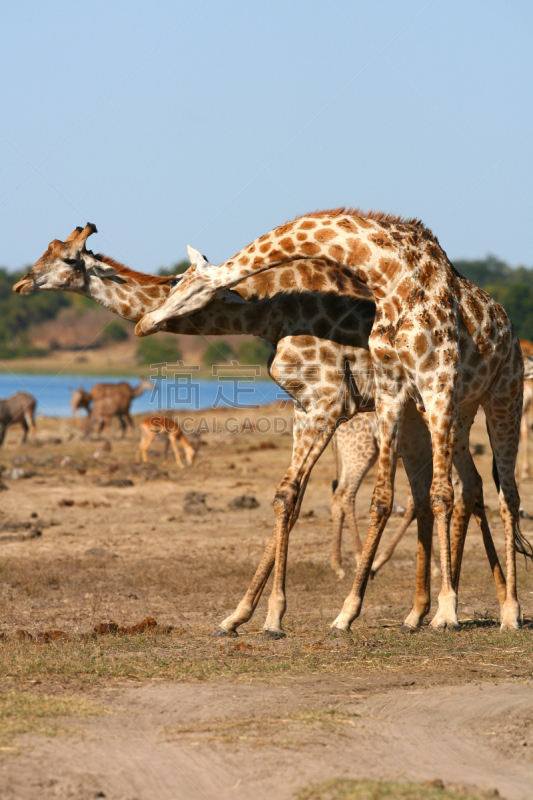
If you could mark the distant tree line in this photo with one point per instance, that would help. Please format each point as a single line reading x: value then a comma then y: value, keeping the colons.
x: 512, y: 287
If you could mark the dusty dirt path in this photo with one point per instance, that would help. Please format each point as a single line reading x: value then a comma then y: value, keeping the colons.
x: 222, y: 740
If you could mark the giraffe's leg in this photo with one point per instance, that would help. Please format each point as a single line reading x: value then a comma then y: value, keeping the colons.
x: 247, y: 605
x: 386, y: 554
x: 417, y: 460
x: 468, y: 500
x: 442, y: 421
x: 357, y: 450
x: 391, y: 412
x: 287, y: 502
x: 502, y: 411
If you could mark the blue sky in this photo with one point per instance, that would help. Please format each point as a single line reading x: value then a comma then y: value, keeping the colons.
x: 211, y: 122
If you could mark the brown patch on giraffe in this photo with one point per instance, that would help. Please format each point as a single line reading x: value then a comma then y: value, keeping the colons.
x: 358, y: 252
x: 327, y: 357
x: 426, y: 319
x: 152, y: 291
x: 431, y: 362
x: 388, y: 310
x: 125, y: 309
x: 301, y: 237
x: 307, y: 225
x: 325, y: 235
x: 243, y: 261
x: 310, y: 249
x: 346, y: 224
x: 427, y: 274
x: 421, y: 344
x: 336, y: 252
x: 264, y: 248
x: 288, y: 244
x: 404, y: 288
x: 388, y: 267
x: 407, y: 358
x: 286, y: 279
x: 317, y: 281
x: 251, y: 249
x: 381, y: 240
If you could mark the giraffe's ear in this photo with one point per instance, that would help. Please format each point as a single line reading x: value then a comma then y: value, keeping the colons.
x: 196, y: 258
x: 102, y: 271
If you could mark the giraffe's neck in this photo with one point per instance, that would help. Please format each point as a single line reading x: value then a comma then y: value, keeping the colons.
x: 380, y: 253
x: 134, y: 294
x: 130, y: 294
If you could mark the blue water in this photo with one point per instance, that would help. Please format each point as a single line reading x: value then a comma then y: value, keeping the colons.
x: 186, y: 392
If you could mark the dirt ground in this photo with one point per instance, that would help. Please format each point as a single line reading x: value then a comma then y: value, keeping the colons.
x: 168, y: 711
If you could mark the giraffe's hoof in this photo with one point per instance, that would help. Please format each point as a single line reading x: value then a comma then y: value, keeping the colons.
x: 408, y: 629
x: 440, y: 627
x: 373, y: 573
x: 222, y: 632
x: 511, y: 625
x: 268, y: 634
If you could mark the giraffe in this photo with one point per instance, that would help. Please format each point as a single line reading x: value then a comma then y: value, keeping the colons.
x: 152, y: 426
x: 298, y: 343
x: 356, y: 450
x: 437, y: 340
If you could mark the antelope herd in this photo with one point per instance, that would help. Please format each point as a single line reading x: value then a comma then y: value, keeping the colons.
x: 408, y: 351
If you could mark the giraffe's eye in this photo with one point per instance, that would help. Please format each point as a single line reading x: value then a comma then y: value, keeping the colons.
x: 71, y: 261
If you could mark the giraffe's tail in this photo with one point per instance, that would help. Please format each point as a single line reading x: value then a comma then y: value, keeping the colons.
x: 335, y: 449
x: 522, y: 545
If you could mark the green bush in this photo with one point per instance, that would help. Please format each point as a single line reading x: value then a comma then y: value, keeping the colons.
x: 256, y: 351
x: 218, y: 353
x: 156, y: 350
x: 115, y: 331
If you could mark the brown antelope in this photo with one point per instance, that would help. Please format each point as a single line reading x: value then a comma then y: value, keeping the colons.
x: 155, y: 425
x: 20, y: 407
x: 114, y: 400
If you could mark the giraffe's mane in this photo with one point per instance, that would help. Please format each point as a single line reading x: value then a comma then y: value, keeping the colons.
x: 141, y: 277
x: 379, y: 216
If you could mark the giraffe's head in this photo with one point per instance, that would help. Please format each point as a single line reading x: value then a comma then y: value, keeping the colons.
x: 65, y: 266
x: 189, y: 295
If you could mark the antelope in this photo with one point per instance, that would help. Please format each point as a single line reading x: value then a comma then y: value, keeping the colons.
x: 114, y: 400
x: 20, y: 407
x: 156, y: 424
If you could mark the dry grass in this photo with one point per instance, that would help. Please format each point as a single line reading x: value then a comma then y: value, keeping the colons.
x: 475, y: 653
x: 29, y: 713
x: 280, y: 729
x: 387, y: 790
